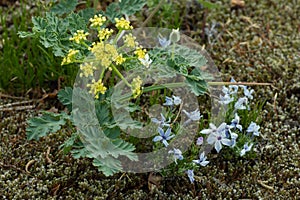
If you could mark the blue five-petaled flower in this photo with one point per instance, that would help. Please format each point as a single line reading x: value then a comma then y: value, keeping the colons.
x: 235, y: 122
x: 246, y: 148
x: 163, y: 136
x: 241, y: 104
x: 253, y: 128
x: 163, y: 41
x: 247, y: 92
x: 161, y: 122
x: 202, y: 160
x: 177, y: 154
x: 192, y: 116
x: 190, y: 174
x: 172, y: 101
x: 217, y: 136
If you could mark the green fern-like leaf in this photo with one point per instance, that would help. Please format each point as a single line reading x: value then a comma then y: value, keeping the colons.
x: 65, y: 97
x: 113, y: 11
x: 197, y: 84
x: 130, y: 7
x: 41, y: 126
x: 64, y: 7
x: 109, y: 166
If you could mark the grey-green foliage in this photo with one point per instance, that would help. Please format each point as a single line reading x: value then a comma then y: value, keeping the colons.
x: 126, y: 7
x: 47, y: 123
x: 54, y: 32
x: 64, y: 7
x: 186, y: 62
x: 55, y: 29
x: 99, y: 132
x: 97, y: 135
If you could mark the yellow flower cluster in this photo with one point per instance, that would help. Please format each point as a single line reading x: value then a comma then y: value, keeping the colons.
x: 105, y: 53
x: 136, y: 86
x: 70, y: 57
x: 105, y: 33
x: 129, y: 41
x: 141, y: 53
x: 79, y: 36
x: 87, y: 69
x: 119, y: 60
x: 96, y: 88
x: 97, y: 20
x: 123, y: 24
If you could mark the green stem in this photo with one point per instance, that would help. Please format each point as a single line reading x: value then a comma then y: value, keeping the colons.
x: 117, y: 36
x: 237, y: 83
x: 180, y: 84
x: 102, y: 74
x: 84, y: 44
x: 173, y: 51
x: 155, y: 87
x: 120, y: 75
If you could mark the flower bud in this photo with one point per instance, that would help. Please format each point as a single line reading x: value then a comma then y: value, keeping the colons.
x: 175, y: 35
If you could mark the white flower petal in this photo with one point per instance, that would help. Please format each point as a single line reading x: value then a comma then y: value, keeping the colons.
x: 211, y: 139
x: 204, y: 163
x: 206, y: 131
x: 226, y: 142
x: 157, y: 138
x: 218, y: 146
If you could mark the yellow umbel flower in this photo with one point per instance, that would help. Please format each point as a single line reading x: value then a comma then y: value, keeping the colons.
x: 87, y: 69
x: 105, y: 33
x: 123, y: 24
x: 70, y: 57
x: 129, y: 41
x: 97, y: 21
x: 119, y: 60
x: 79, y: 36
x: 136, y: 87
x: 96, y: 88
x: 105, y: 53
x: 141, y: 53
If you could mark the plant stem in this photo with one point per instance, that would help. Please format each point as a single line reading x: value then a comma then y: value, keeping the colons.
x: 120, y: 75
x: 238, y: 83
x: 180, y: 84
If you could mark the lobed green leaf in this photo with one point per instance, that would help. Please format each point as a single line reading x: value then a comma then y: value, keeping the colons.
x: 43, y: 125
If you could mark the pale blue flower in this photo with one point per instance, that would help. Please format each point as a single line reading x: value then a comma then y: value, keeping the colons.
x: 163, y: 136
x: 177, y: 154
x: 227, y: 130
x: 169, y: 101
x: 163, y: 41
x: 213, y: 128
x: 194, y: 115
x: 176, y: 100
x: 199, y: 141
x: 241, y: 104
x: 226, y: 99
x: 235, y: 122
x: 161, y: 122
x: 246, y: 148
x: 218, y: 138
x: 190, y: 174
x: 253, y: 128
x: 202, y: 160
x: 233, y: 139
x: 233, y: 88
x: 247, y: 92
